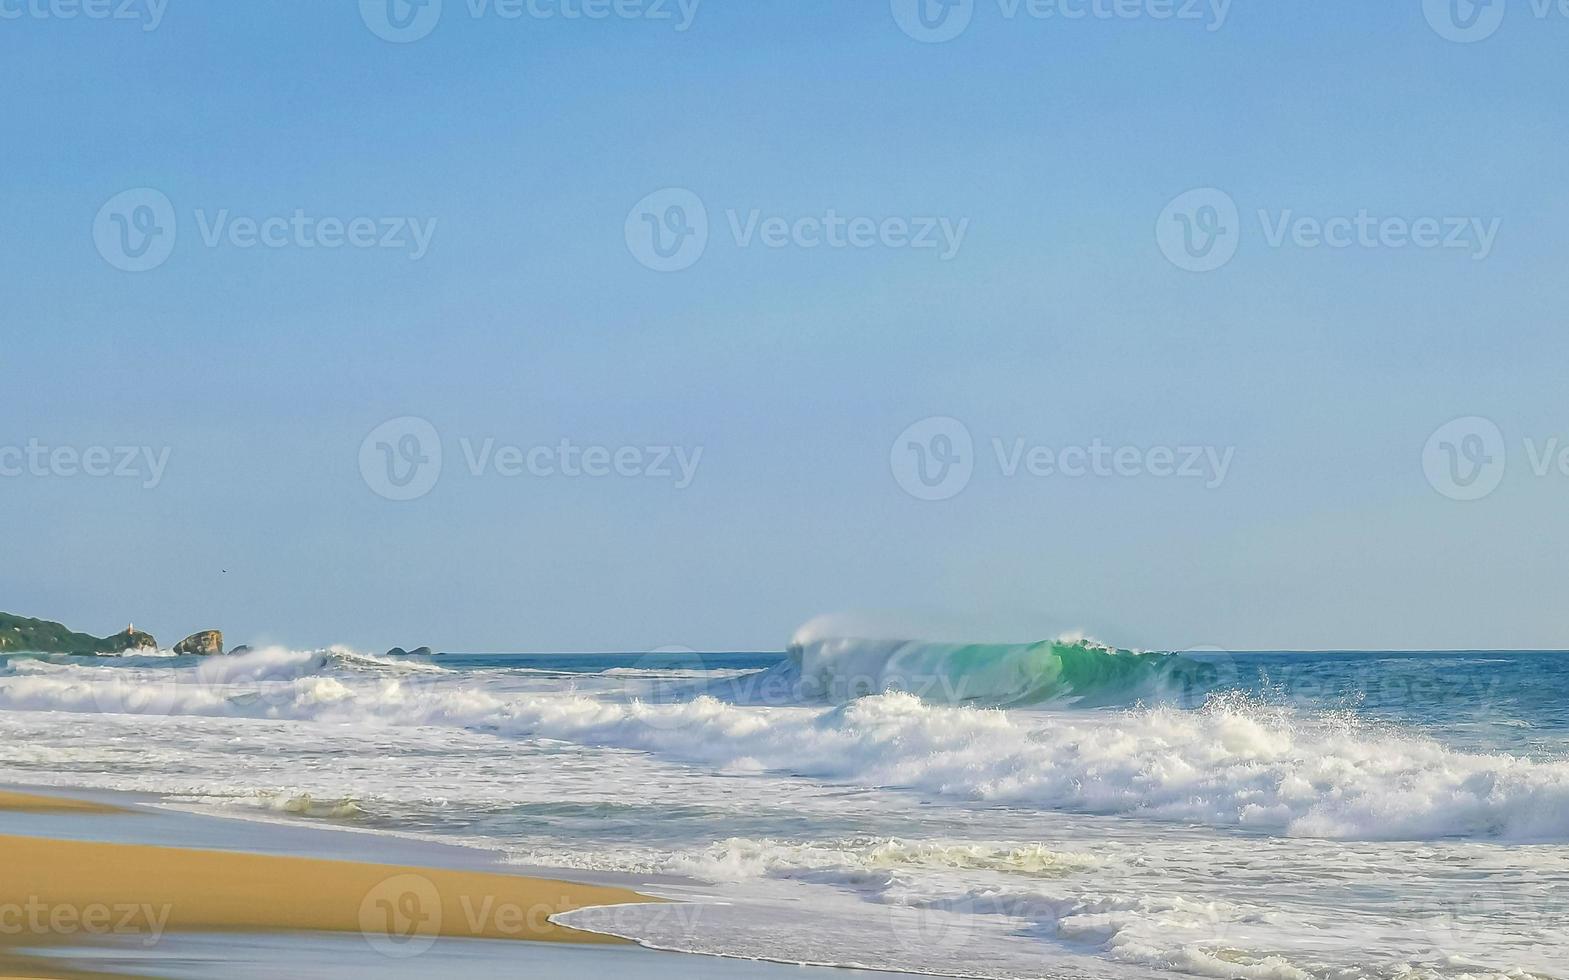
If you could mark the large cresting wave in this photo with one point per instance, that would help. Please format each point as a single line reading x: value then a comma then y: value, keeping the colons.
x: 1069, y: 670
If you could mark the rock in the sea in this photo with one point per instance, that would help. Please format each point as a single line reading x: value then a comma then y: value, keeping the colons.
x: 416, y: 652
x: 130, y: 639
x: 207, y: 643
x: 242, y: 648
x: 420, y: 652
x: 397, y: 652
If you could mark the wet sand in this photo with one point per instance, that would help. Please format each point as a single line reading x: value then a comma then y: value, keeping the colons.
x: 57, y: 893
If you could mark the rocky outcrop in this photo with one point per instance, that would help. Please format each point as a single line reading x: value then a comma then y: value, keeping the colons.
x: 242, y: 648
x: 416, y: 652
x: 207, y: 643
x: 127, y: 640
x: 19, y: 634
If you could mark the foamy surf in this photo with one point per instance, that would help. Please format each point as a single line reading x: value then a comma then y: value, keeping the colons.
x: 1066, y: 808
x: 1235, y: 763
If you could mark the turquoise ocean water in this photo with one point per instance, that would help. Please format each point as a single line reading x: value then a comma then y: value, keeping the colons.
x: 1058, y: 809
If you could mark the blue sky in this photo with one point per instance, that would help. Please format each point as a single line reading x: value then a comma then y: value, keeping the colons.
x: 524, y: 146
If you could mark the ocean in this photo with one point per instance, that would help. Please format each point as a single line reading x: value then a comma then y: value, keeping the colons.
x: 1058, y: 809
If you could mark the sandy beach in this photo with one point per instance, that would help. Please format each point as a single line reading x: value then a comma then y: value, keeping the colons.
x: 33, y: 803
x: 59, y: 892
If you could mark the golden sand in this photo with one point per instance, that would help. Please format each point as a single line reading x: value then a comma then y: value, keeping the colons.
x: 27, y: 803
x: 69, y: 892
x: 14, y: 967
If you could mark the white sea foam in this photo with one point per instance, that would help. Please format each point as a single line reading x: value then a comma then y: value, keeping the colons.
x: 1009, y: 911
x: 1029, y: 882
x: 1235, y: 764
x: 742, y: 858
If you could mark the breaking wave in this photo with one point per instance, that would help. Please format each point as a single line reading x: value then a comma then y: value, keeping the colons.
x: 1071, y: 670
x: 1237, y: 762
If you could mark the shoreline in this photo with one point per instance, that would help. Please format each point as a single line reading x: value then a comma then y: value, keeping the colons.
x: 73, y: 880
x: 19, y: 802
x: 81, y: 820
x: 189, y: 822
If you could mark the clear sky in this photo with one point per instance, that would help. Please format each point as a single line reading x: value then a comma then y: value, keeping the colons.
x: 1045, y: 157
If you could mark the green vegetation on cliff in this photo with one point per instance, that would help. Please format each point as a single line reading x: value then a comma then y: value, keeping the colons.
x: 19, y: 634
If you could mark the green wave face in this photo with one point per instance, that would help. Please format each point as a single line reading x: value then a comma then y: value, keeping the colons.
x: 997, y: 674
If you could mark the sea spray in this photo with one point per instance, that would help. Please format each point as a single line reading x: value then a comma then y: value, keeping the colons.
x: 1241, y: 762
